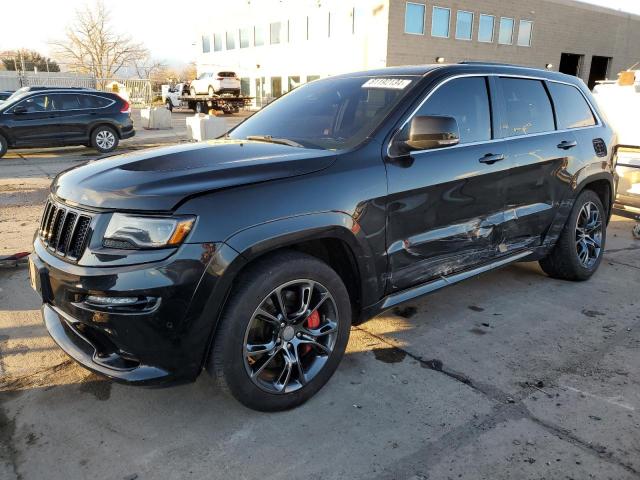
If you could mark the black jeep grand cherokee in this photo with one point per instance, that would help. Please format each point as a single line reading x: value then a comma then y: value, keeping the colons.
x: 250, y: 256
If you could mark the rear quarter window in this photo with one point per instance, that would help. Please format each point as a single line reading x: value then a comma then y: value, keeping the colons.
x: 527, y: 107
x: 572, y: 110
x: 92, y: 101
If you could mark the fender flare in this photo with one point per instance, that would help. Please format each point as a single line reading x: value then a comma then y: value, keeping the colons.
x: 263, y: 238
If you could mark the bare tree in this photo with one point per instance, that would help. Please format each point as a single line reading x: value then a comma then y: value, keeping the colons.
x: 92, y: 46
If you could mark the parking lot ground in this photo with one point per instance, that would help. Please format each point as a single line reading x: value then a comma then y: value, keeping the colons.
x: 511, y: 375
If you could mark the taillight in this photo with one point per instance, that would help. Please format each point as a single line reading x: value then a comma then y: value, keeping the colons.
x: 220, y: 78
x: 126, y: 108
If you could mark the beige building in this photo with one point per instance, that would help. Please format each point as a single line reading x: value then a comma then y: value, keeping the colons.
x: 275, y: 45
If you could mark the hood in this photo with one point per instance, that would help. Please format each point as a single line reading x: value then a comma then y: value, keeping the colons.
x: 159, y: 178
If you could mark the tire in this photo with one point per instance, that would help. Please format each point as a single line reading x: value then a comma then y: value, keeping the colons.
x: 230, y: 363
x: 567, y: 259
x: 104, y: 139
x: 211, y: 91
x: 193, y: 91
x: 3, y: 146
x: 169, y: 105
x: 198, y: 107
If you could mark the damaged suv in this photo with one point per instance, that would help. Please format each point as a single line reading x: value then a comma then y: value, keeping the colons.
x: 250, y: 256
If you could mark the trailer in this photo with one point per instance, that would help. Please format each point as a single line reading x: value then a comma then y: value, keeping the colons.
x: 179, y: 96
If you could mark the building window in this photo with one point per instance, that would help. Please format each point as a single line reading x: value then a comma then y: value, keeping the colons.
x: 485, y: 29
x: 245, y: 38
x: 231, y: 40
x: 258, y: 36
x: 440, y: 22
x: 217, y: 42
x: 505, y: 37
x: 311, y: 78
x: 206, y: 45
x: 414, y: 18
x: 294, y: 82
x: 276, y: 31
x: 329, y: 24
x: 276, y: 87
x: 245, y: 86
x: 464, y: 25
x: 524, y: 33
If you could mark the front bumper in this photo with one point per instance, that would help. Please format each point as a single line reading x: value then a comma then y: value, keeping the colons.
x: 161, y: 340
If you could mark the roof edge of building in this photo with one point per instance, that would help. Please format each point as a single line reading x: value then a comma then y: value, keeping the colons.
x: 596, y: 8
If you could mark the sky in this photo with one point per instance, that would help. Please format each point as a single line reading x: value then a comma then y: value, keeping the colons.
x: 168, y: 28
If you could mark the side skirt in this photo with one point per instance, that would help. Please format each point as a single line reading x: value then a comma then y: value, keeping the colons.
x: 395, y: 299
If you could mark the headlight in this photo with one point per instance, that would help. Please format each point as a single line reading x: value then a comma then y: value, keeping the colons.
x: 136, y: 232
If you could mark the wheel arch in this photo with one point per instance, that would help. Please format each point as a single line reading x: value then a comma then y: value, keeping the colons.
x: 603, y: 185
x: 333, y: 237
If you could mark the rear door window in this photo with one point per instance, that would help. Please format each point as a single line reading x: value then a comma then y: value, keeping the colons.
x: 466, y: 100
x: 572, y: 110
x: 63, y: 102
x: 527, y: 107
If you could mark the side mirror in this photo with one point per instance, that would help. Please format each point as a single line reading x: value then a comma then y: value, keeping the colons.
x: 19, y: 110
x: 428, y: 132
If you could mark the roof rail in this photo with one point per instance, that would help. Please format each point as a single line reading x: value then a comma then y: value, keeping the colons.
x: 469, y: 62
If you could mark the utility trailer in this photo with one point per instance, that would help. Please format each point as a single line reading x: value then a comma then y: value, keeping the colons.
x: 179, y: 97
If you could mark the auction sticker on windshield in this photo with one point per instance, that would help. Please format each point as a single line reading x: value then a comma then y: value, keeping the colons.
x: 388, y: 83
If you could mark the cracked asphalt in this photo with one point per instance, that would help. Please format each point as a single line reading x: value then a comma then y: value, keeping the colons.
x: 511, y: 375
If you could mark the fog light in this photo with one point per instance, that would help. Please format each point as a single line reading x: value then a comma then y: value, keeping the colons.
x: 97, y: 300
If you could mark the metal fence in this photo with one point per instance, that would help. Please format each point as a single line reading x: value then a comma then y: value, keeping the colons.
x: 137, y: 91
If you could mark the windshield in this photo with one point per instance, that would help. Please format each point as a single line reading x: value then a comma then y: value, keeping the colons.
x: 18, y: 94
x: 329, y: 114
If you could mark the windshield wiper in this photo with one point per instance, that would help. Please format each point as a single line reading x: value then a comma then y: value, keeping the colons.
x: 270, y: 139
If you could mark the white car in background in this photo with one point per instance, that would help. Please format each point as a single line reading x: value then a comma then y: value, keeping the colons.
x: 219, y: 83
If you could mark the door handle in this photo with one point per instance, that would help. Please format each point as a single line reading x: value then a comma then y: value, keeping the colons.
x: 566, y: 145
x: 490, y: 158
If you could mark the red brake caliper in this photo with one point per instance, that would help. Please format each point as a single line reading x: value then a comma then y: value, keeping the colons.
x: 313, y: 322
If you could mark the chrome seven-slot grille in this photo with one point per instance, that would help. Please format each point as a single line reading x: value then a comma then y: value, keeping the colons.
x: 64, y: 231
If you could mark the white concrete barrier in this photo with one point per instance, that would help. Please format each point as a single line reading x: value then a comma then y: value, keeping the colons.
x: 157, y: 118
x: 205, y: 127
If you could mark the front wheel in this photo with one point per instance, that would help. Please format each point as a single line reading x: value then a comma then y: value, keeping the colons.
x: 283, y: 332
x: 211, y: 92
x: 578, y: 252
x: 104, y: 139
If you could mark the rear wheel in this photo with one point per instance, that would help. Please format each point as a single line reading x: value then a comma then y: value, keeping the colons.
x: 211, y: 92
x: 283, y: 332
x: 579, y: 250
x: 104, y: 139
x: 3, y: 146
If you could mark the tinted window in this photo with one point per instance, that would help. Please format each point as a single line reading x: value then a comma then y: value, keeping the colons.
x: 572, y: 109
x: 38, y: 103
x: 331, y: 114
x: 92, y: 101
x: 414, y: 18
x: 217, y: 42
x: 65, y: 102
x: 440, y: 22
x: 231, y: 40
x: 464, y: 25
x: 524, y: 34
x: 485, y: 28
x: 505, y: 36
x: 527, y: 105
x: 467, y: 100
x: 245, y: 37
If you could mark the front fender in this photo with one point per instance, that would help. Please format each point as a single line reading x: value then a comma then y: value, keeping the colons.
x: 263, y: 238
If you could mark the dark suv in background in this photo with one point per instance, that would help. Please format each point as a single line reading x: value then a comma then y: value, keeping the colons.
x: 50, y: 117
x: 252, y: 255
